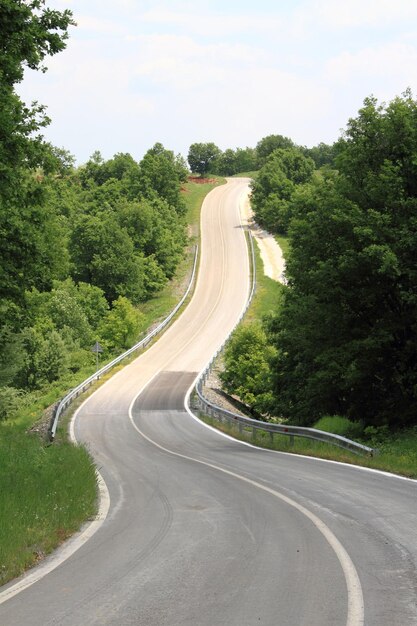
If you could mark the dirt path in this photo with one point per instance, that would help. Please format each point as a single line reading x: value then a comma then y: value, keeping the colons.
x: 271, y: 253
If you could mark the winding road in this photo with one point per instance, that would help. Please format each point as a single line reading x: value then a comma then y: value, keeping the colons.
x: 205, y: 531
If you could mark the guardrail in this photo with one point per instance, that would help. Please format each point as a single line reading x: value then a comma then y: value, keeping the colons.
x: 243, y: 423
x: 74, y: 393
x: 222, y: 415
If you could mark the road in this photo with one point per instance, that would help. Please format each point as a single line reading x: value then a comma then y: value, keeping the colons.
x: 206, y: 531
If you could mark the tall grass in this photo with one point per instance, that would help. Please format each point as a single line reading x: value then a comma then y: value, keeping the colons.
x: 46, y: 494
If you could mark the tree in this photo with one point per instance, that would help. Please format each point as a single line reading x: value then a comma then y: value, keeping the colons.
x: 202, y: 156
x: 120, y: 327
x: 247, y: 367
x: 269, y: 144
x: 103, y: 255
x: 226, y: 163
x: 273, y: 189
x: 28, y: 238
x: 46, y: 355
x: 32, y: 240
x: 12, y: 355
x: 347, y: 332
x: 29, y: 32
x: 160, y: 175
x: 245, y: 160
x: 322, y: 154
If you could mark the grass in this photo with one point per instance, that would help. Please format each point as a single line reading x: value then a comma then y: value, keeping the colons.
x: 253, y: 174
x: 49, y: 491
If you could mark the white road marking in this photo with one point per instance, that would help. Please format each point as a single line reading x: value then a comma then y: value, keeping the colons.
x: 355, y: 609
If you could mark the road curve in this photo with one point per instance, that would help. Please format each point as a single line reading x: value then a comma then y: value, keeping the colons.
x: 205, y: 531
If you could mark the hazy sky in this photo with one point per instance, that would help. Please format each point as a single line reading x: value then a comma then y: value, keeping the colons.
x: 229, y: 71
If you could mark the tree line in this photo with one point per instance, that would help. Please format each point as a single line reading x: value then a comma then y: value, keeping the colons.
x: 343, y: 340
x: 207, y: 158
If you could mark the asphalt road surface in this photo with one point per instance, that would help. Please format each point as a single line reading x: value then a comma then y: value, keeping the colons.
x: 206, y: 531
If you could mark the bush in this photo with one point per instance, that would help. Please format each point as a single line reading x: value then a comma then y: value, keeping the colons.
x: 11, y: 400
x: 339, y: 425
x: 247, y: 367
x: 120, y: 327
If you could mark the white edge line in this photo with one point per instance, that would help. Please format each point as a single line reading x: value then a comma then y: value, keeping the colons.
x: 73, y: 544
x: 355, y: 610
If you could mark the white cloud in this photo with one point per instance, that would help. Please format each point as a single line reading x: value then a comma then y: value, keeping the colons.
x: 179, y: 72
x: 183, y: 63
x: 387, y: 62
x: 354, y: 13
x: 215, y: 24
x: 91, y: 24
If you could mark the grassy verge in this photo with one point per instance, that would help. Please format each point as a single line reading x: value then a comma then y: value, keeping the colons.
x: 397, y: 453
x: 253, y: 174
x: 48, y: 492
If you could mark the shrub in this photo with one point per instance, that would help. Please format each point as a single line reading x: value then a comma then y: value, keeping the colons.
x: 339, y: 425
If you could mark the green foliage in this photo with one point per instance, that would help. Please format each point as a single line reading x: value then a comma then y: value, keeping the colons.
x: 12, y: 354
x: 161, y: 175
x: 322, y: 154
x: 231, y: 162
x: 269, y: 144
x: 103, y: 255
x: 119, y: 329
x: 339, y: 425
x: 201, y: 157
x: 275, y: 185
x: 11, y: 400
x: 347, y: 333
x: 247, y: 366
x: 28, y: 230
x: 29, y: 32
x: 30, y: 238
x: 46, y: 356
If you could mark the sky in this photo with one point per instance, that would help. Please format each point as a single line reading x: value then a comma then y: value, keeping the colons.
x: 137, y: 72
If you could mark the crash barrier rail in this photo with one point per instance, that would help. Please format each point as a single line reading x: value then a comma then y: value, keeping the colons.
x: 74, y: 393
x: 223, y: 415
x: 243, y: 423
